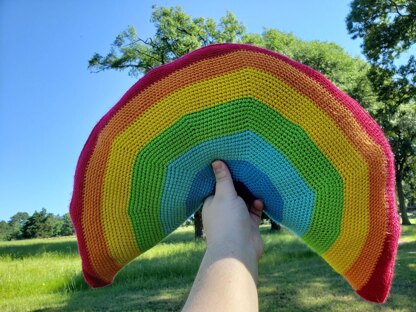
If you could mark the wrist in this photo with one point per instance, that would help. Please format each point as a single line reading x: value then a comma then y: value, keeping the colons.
x: 228, y: 250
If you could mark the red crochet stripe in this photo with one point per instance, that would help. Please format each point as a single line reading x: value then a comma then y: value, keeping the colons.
x: 381, y: 279
x: 378, y: 287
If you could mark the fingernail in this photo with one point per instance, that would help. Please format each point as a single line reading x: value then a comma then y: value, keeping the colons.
x: 217, y: 166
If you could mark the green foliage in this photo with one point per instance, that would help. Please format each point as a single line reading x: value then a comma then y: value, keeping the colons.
x: 176, y: 35
x: 67, y: 228
x: 16, y: 223
x: 348, y: 73
x: 399, y: 125
x: 18, y: 219
x: 13, y: 228
x: 388, y: 30
x: 5, y: 230
x: 39, y: 225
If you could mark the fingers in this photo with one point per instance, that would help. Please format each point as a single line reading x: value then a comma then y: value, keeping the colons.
x: 256, y: 210
x: 224, y: 186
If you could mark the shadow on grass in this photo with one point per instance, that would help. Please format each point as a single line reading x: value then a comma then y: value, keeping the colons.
x: 146, y: 284
x: 129, y: 297
x: 309, y: 284
x: 185, y: 235
x: 291, y: 278
x: 20, y: 251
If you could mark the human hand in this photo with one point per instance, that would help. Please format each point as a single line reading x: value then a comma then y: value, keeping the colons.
x: 226, y: 280
x: 229, y: 224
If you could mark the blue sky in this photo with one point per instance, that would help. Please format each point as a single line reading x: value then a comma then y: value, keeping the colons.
x: 49, y: 101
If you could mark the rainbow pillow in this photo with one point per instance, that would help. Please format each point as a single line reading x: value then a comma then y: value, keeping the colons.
x: 315, y: 157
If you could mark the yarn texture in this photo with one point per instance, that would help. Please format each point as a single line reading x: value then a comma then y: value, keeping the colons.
x: 315, y: 157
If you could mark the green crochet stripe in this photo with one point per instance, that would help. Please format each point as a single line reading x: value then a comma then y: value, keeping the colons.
x: 243, y: 114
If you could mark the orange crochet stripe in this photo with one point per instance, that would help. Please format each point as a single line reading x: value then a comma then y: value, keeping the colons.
x: 122, y: 174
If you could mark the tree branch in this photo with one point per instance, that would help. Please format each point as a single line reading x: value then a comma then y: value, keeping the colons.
x: 105, y: 66
x: 150, y: 56
x: 396, y: 6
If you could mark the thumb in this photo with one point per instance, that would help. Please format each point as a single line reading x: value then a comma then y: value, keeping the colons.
x: 224, y: 186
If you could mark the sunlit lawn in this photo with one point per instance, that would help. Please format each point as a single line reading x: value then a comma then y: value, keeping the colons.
x: 45, y: 275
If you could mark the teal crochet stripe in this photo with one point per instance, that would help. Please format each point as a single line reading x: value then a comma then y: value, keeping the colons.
x: 298, y: 200
x: 333, y: 145
x: 212, y: 123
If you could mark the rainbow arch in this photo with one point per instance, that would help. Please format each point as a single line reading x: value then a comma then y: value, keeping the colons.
x: 316, y: 158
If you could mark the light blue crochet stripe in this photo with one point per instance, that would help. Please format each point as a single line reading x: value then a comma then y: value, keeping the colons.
x: 182, y: 179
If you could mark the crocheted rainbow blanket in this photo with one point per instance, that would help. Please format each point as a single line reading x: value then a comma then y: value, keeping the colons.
x: 315, y: 157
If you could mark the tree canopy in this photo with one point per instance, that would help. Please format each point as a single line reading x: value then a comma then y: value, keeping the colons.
x: 388, y: 31
x: 387, y: 27
x: 177, y: 34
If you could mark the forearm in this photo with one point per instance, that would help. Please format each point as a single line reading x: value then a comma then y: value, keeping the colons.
x: 226, y: 281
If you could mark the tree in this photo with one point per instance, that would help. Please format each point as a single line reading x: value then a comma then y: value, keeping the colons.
x: 198, y: 224
x: 399, y: 126
x: 348, y: 73
x: 5, y: 230
x: 67, y: 227
x: 55, y: 224
x: 38, y: 225
x: 16, y: 224
x: 176, y: 34
x: 388, y: 30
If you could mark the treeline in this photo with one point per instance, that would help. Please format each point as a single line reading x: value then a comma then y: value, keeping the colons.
x: 39, y: 225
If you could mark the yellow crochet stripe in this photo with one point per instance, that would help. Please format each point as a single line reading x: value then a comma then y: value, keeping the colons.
x: 94, y: 239
x: 328, y: 138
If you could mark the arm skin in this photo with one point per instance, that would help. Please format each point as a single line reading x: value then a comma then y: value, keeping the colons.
x: 227, y: 277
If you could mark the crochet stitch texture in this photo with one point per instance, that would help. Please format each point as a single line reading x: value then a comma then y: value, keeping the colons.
x: 315, y: 157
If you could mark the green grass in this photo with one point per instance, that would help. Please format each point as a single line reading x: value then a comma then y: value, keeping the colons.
x: 45, y: 275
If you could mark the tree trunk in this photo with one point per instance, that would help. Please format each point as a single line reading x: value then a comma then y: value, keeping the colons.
x: 198, y: 224
x: 402, y: 206
x: 275, y: 227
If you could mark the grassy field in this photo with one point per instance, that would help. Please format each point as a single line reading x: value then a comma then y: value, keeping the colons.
x: 45, y: 275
